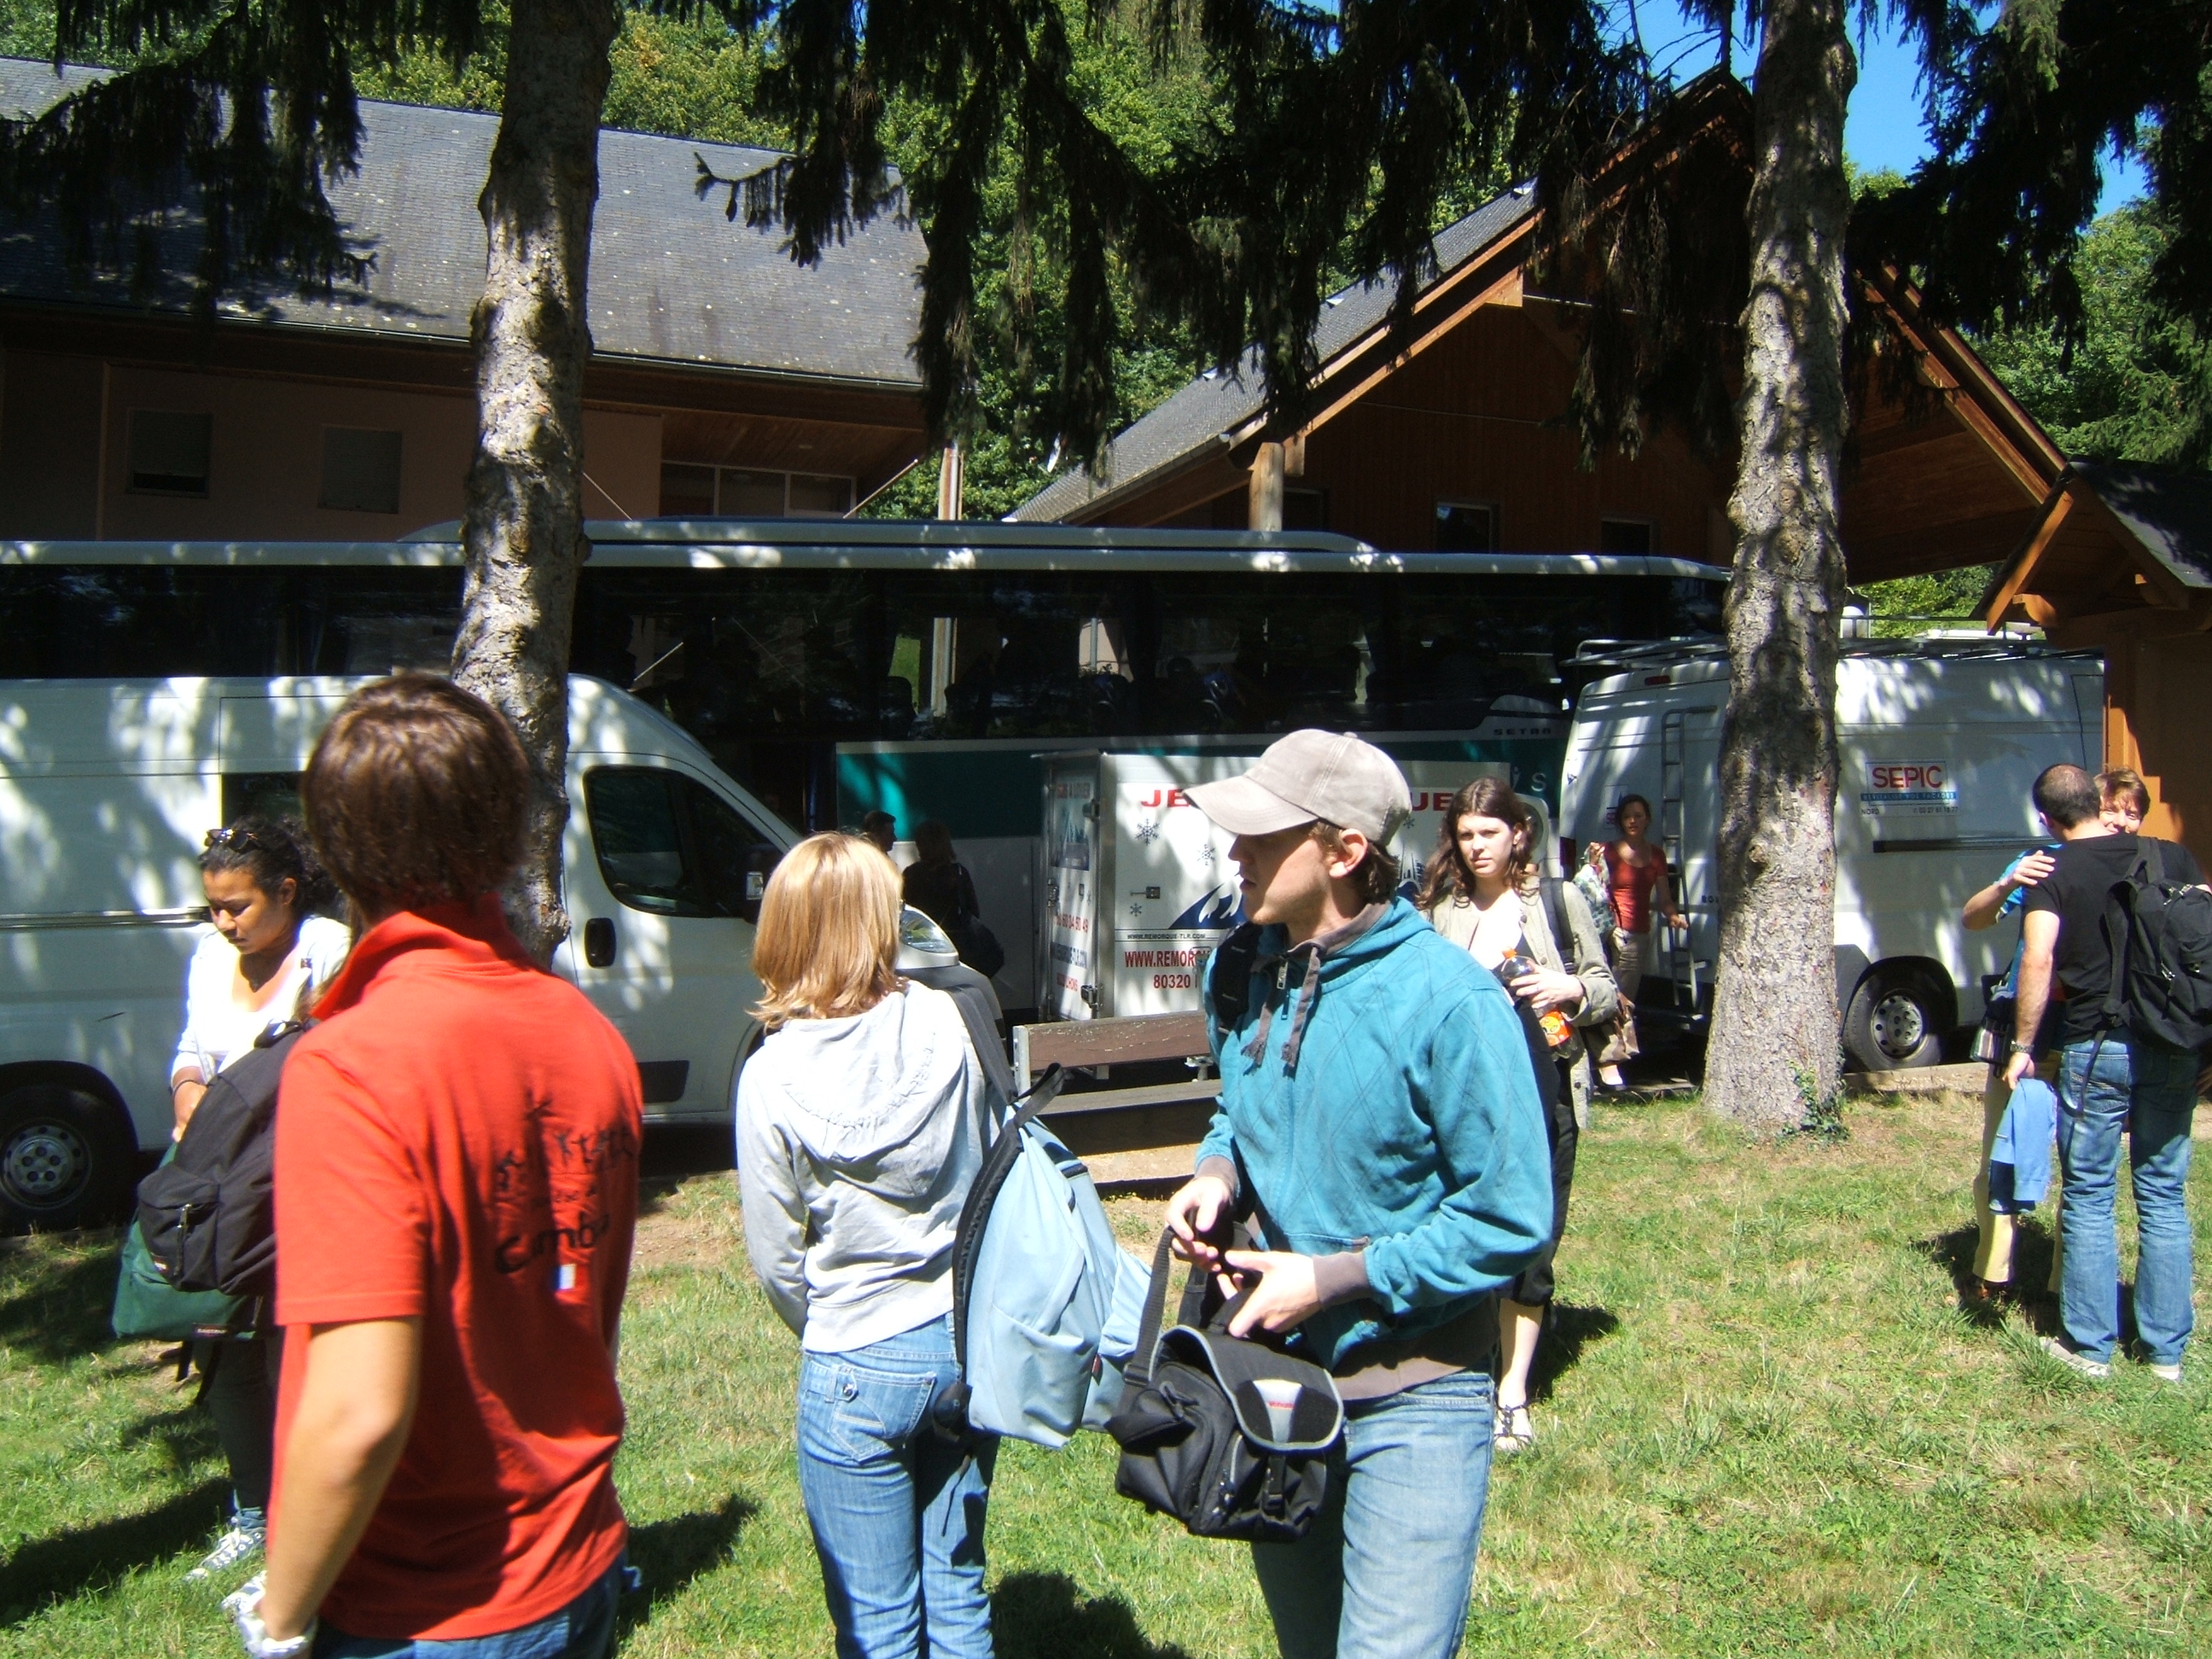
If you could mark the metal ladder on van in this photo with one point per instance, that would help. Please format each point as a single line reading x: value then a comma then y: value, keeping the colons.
x: 1680, y: 964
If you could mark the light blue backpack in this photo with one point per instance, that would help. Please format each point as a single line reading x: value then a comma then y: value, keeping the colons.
x: 1046, y: 1305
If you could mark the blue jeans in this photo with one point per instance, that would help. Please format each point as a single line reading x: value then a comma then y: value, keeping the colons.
x: 585, y: 1629
x: 1386, y: 1572
x: 896, y: 1509
x: 2148, y: 1092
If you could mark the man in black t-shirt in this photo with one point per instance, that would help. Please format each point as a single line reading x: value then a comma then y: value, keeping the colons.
x: 2111, y: 1082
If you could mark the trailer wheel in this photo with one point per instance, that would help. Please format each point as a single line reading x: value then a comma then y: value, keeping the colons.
x: 1895, y: 1023
x: 62, y: 1162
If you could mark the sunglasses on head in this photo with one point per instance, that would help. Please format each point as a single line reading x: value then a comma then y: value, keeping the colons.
x: 239, y: 840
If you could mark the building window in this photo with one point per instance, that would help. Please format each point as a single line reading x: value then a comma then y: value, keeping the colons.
x: 169, y: 452
x: 1305, y: 509
x: 689, y: 490
x: 1466, y: 527
x: 686, y: 492
x: 1627, y: 536
x: 819, y: 495
x: 361, y: 469
x: 749, y: 495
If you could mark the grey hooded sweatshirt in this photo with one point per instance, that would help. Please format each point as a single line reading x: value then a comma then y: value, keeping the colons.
x: 857, y: 1140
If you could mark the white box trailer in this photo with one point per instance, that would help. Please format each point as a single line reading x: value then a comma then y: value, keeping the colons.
x: 106, y: 791
x: 1136, y: 885
x: 1941, y: 742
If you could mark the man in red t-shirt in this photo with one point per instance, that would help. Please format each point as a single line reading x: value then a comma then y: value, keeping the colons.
x: 456, y: 1193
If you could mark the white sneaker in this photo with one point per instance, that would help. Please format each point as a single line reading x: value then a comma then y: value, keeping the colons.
x: 2096, y: 1370
x: 240, y: 1544
x: 2166, y: 1373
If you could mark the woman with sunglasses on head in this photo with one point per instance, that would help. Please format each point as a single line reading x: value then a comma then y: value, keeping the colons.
x: 1481, y: 890
x: 269, y: 952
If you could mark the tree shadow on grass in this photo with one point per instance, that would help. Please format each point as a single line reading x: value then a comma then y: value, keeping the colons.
x: 669, y: 1554
x: 1045, y: 1615
x: 1567, y: 1331
x: 54, y: 1306
x: 55, y: 1569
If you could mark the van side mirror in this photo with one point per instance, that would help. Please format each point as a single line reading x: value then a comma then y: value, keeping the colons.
x: 599, y: 942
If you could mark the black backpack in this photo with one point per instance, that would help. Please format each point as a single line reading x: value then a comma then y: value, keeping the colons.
x: 2160, y: 933
x: 209, y: 1215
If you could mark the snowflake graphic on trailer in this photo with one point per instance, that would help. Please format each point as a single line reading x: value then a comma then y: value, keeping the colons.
x: 1209, y: 854
x: 1135, y: 908
x: 1149, y: 831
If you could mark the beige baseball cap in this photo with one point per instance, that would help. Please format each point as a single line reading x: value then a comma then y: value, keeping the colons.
x: 1330, y: 776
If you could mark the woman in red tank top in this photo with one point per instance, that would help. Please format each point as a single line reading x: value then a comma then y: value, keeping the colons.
x: 1636, y: 880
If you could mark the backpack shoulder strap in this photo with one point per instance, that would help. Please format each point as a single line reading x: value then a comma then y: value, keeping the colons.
x: 1231, y: 978
x: 1555, y: 913
x: 1138, y: 1373
x: 2118, y: 923
x: 975, y: 1212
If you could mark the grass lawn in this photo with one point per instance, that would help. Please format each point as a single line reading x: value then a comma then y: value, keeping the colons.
x: 1768, y: 1429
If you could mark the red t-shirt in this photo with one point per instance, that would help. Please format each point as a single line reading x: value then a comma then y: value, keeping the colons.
x: 1631, y: 885
x: 457, y: 1142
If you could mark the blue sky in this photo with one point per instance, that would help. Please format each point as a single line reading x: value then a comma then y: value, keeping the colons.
x: 1883, y: 129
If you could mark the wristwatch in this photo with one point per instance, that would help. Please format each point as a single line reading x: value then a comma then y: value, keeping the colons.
x: 2023, y: 1049
x: 244, y: 1606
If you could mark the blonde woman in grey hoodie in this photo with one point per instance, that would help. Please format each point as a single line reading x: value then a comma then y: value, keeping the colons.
x: 861, y: 1122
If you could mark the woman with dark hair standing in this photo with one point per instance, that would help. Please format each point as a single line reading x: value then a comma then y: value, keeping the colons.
x: 1636, y: 876
x: 261, y: 967
x: 1481, y: 891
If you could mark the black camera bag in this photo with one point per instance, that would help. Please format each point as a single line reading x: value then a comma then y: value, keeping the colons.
x: 1195, y: 1437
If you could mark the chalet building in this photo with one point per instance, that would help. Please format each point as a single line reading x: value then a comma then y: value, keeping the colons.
x: 2119, y: 560
x: 1454, y: 438
x: 725, y: 379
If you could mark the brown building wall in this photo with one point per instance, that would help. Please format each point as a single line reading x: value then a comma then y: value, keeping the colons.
x: 266, y: 453
x: 2155, y: 676
x: 1475, y: 419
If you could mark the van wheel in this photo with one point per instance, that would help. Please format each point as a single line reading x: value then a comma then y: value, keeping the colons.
x: 62, y: 1163
x: 1895, y: 1023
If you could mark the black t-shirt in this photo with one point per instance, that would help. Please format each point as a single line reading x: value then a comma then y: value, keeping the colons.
x: 2075, y: 891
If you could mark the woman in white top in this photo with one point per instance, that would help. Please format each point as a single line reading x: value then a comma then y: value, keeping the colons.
x: 861, y: 1123
x: 267, y: 957
x: 1482, y: 892
x: 262, y: 966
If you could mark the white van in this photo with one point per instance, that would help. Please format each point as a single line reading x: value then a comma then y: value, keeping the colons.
x: 107, y: 789
x: 1941, y: 742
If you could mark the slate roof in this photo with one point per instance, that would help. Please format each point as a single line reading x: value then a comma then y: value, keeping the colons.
x: 2168, y: 510
x: 1205, y: 413
x: 672, y: 280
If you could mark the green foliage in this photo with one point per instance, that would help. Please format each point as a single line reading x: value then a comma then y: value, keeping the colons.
x: 1910, y: 606
x: 2027, y: 111
x: 689, y: 77
x: 2138, y: 384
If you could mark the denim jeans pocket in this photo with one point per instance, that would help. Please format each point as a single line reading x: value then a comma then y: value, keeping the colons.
x: 850, y: 1414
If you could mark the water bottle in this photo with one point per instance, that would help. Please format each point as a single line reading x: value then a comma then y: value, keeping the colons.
x: 1556, y: 1026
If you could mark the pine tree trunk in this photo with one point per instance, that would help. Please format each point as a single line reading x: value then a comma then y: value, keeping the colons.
x: 524, y: 515
x: 1773, y: 1051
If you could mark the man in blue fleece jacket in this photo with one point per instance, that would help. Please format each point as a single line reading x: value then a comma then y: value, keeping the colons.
x: 1381, y: 1129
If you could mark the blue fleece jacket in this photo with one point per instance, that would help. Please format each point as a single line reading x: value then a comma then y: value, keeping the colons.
x: 1394, y: 1113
